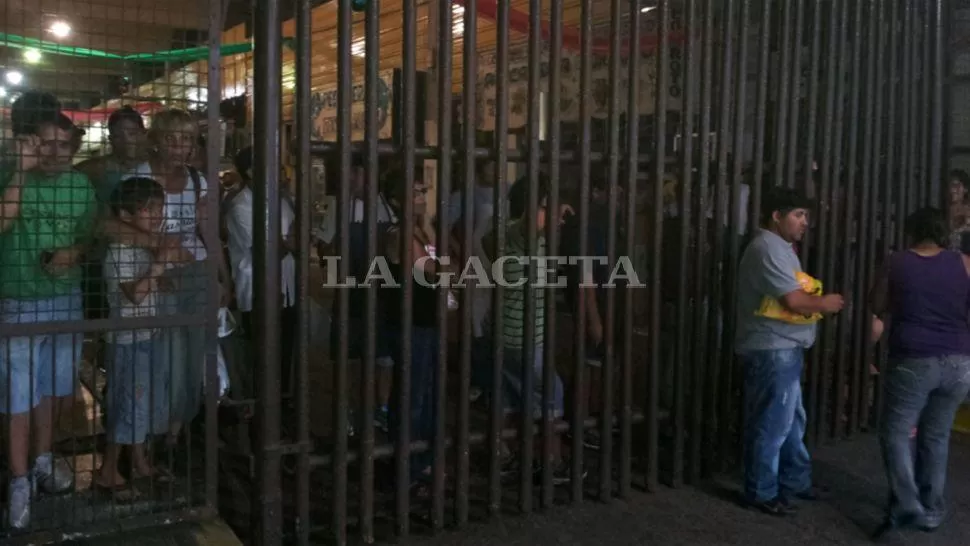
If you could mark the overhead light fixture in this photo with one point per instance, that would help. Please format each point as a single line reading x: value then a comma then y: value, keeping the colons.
x: 3, y: 92
x: 60, y: 29
x: 14, y: 77
x: 647, y: 9
x: 32, y: 55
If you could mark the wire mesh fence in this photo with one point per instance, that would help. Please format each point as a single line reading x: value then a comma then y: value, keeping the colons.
x: 261, y: 348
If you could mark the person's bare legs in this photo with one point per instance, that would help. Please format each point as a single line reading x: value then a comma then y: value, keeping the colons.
x: 384, y: 379
x: 43, y: 425
x: 18, y: 445
x: 109, y: 477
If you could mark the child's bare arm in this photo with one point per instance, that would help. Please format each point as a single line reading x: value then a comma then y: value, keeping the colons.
x: 136, y: 291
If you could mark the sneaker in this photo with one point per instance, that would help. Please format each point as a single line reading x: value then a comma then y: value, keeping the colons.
x: 382, y: 419
x: 774, y: 507
x: 52, y: 475
x: 474, y: 394
x: 18, y: 505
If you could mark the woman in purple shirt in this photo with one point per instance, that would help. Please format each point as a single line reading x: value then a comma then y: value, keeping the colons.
x: 925, y: 290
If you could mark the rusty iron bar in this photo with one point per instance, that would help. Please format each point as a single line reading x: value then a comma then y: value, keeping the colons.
x: 719, y: 363
x: 214, y: 93
x: 861, y: 349
x: 809, y: 158
x: 761, y: 113
x: 704, y: 373
x: 340, y: 400
x: 795, y: 96
x: 850, y: 244
x: 443, y: 74
x: 605, y: 465
x: 657, y: 223
x: 368, y: 375
x: 462, y: 446
x: 781, y: 114
x: 833, y: 344
x: 729, y: 444
x: 579, y: 399
x: 526, y: 416
x: 403, y: 366
x: 499, y: 219
x: 816, y: 383
x: 936, y: 99
x: 549, y: 374
x: 684, y: 371
x: 267, y: 55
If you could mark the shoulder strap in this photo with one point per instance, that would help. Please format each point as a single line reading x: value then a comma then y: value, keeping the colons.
x: 196, y: 181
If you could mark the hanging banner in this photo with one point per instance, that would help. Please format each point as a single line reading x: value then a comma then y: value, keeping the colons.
x: 324, y: 103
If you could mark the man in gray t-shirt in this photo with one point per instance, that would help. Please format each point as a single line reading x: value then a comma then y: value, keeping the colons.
x: 778, y: 306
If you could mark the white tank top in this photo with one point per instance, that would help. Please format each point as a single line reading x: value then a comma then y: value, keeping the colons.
x: 180, y: 210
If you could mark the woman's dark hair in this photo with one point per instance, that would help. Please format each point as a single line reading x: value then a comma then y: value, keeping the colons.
x: 33, y: 109
x: 962, y: 177
x: 243, y: 162
x: 927, y: 224
x: 136, y: 193
x: 125, y: 113
x: 518, y: 195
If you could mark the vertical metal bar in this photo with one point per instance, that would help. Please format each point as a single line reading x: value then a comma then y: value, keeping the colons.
x: 913, y: 193
x: 613, y: 167
x: 469, y: 131
x: 906, y: 103
x: 862, y: 349
x: 850, y: 244
x: 811, y: 127
x: 214, y: 88
x: 552, y: 238
x: 704, y: 372
x: 303, y: 218
x: 936, y: 100
x: 760, y: 128
x: 408, y: 144
x: 876, y: 201
x: 836, y: 200
x: 684, y: 361
x: 718, y: 295
x: 496, y: 423
x: 527, y: 426
x: 585, y: 143
x: 926, y: 186
x: 340, y: 399
x: 266, y: 281
x: 659, y: 168
x: 892, y: 139
x: 445, y: 116
x: 817, y: 386
x: 733, y: 239
x: 795, y: 95
x: 372, y: 17
x: 781, y: 119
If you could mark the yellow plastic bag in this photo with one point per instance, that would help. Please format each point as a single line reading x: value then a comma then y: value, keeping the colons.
x: 772, y: 309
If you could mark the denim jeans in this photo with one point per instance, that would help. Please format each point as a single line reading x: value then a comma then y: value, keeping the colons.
x: 776, y: 462
x: 423, y: 375
x: 923, y: 393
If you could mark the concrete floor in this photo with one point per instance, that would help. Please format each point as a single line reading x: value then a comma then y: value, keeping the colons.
x: 852, y: 471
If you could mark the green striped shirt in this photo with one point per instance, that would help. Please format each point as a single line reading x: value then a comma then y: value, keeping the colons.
x: 513, y: 301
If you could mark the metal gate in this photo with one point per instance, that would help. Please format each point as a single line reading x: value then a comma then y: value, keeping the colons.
x: 407, y: 408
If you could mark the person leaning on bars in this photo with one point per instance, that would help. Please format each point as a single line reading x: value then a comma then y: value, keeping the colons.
x: 172, y: 140
x: 925, y: 290
x: 778, y: 306
x: 47, y: 212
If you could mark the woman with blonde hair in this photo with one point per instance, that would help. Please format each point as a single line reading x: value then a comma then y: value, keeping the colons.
x: 173, y: 138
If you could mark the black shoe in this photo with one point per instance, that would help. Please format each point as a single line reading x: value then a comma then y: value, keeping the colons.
x: 774, y: 507
x: 892, y: 524
x: 811, y: 494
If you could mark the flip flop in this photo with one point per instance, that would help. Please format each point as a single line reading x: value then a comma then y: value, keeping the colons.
x: 159, y: 475
x: 123, y: 493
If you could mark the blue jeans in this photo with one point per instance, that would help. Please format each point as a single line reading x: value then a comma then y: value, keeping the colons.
x: 923, y: 392
x: 423, y: 375
x: 42, y: 366
x: 186, y: 344
x: 513, y: 378
x: 776, y: 462
x: 137, y: 391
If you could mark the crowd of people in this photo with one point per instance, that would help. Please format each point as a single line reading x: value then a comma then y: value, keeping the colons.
x: 121, y: 235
